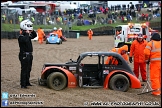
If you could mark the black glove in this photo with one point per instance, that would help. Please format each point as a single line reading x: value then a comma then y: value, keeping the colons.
x: 130, y: 59
x: 148, y: 62
x: 33, y: 34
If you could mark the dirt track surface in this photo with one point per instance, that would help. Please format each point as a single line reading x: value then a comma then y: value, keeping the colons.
x: 72, y: 97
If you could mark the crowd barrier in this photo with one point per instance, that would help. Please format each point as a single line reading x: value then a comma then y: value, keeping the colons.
x: 70, y: 34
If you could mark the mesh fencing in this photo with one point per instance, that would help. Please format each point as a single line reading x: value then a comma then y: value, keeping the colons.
x: 37, y: 19
x: 12, y: 21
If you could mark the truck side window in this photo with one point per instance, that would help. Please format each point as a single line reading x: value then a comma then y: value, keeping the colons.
x: 143, y: 31
x: 90, y: 60
x: 123, y: 32
x: 112, y: 60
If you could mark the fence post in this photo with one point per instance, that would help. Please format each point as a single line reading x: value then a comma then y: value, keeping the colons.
x: 1, y: 25
x: 14, y: 28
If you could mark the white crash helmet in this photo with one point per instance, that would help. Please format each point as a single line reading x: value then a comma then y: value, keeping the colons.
x: 60, y: 28
x: 26, y: 25
x: 54, y: 28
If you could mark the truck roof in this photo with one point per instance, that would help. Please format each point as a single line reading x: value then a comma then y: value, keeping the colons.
x: 11, y: 8
x: 38, y: 4
x: 98, y: 53
x: 15, y: 4
x: 135, y: 24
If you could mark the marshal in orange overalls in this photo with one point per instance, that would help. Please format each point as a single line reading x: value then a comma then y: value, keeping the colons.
x: 153, y: 54
x: 90, y: 33
x: 59, y: 32
x: 40, y: 35
x: 136, y: 50
x: 122, y: 50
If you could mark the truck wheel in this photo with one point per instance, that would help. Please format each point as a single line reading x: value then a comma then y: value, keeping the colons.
x: 56, y: 81
x: 60, y: 41
x: 46, y: 41
x: 119, y: 82
x: 41, y: 83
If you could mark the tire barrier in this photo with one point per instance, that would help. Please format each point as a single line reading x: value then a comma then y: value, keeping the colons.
x: 4, y: 35
x: 96, y: 33
x: 9, y: 35
x: 70, y: 34
x: 15, y: 34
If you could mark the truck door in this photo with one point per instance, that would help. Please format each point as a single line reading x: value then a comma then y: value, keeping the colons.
x: 118, y: 31
x: 145, y: 32
x: 118, y: 35
x: 88, y: 69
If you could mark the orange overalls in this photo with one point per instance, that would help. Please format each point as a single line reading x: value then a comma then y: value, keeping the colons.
x: 90, y: 33
x: 55, y: 32
x: 59, y: 33
x: 40, y: 35
x: 153, y: 54
x: 136, y: 50
x: 112, y: 60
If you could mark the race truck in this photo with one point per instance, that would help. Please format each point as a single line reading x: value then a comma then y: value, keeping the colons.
x: 53, y: 39
x: 125, y: 34
x: 90, y: 70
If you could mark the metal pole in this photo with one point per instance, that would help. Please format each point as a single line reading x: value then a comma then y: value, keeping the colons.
x: 1, y: 24
x: 14, y: 22
x: 147, y: 87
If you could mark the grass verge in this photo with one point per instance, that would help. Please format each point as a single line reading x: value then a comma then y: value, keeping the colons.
x: 15, y: 27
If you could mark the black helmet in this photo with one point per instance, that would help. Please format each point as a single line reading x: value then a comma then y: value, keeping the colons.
x: 155, y: 36
x: 140, y: 35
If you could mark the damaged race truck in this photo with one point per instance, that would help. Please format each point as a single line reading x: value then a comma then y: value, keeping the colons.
x: 90, y: 70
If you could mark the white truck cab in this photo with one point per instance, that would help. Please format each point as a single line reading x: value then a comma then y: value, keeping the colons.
x: 125, y: 34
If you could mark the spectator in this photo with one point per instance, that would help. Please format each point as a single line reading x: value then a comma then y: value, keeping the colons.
x: 93, y: 21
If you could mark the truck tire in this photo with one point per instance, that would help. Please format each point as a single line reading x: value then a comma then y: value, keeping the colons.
x: 119, y: 82
x: 46, y: 41
x: 56, y: 81
x: 41, y: 83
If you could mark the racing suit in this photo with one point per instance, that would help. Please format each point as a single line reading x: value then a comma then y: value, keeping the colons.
x: 25, y: 56
x: 55, y: 32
